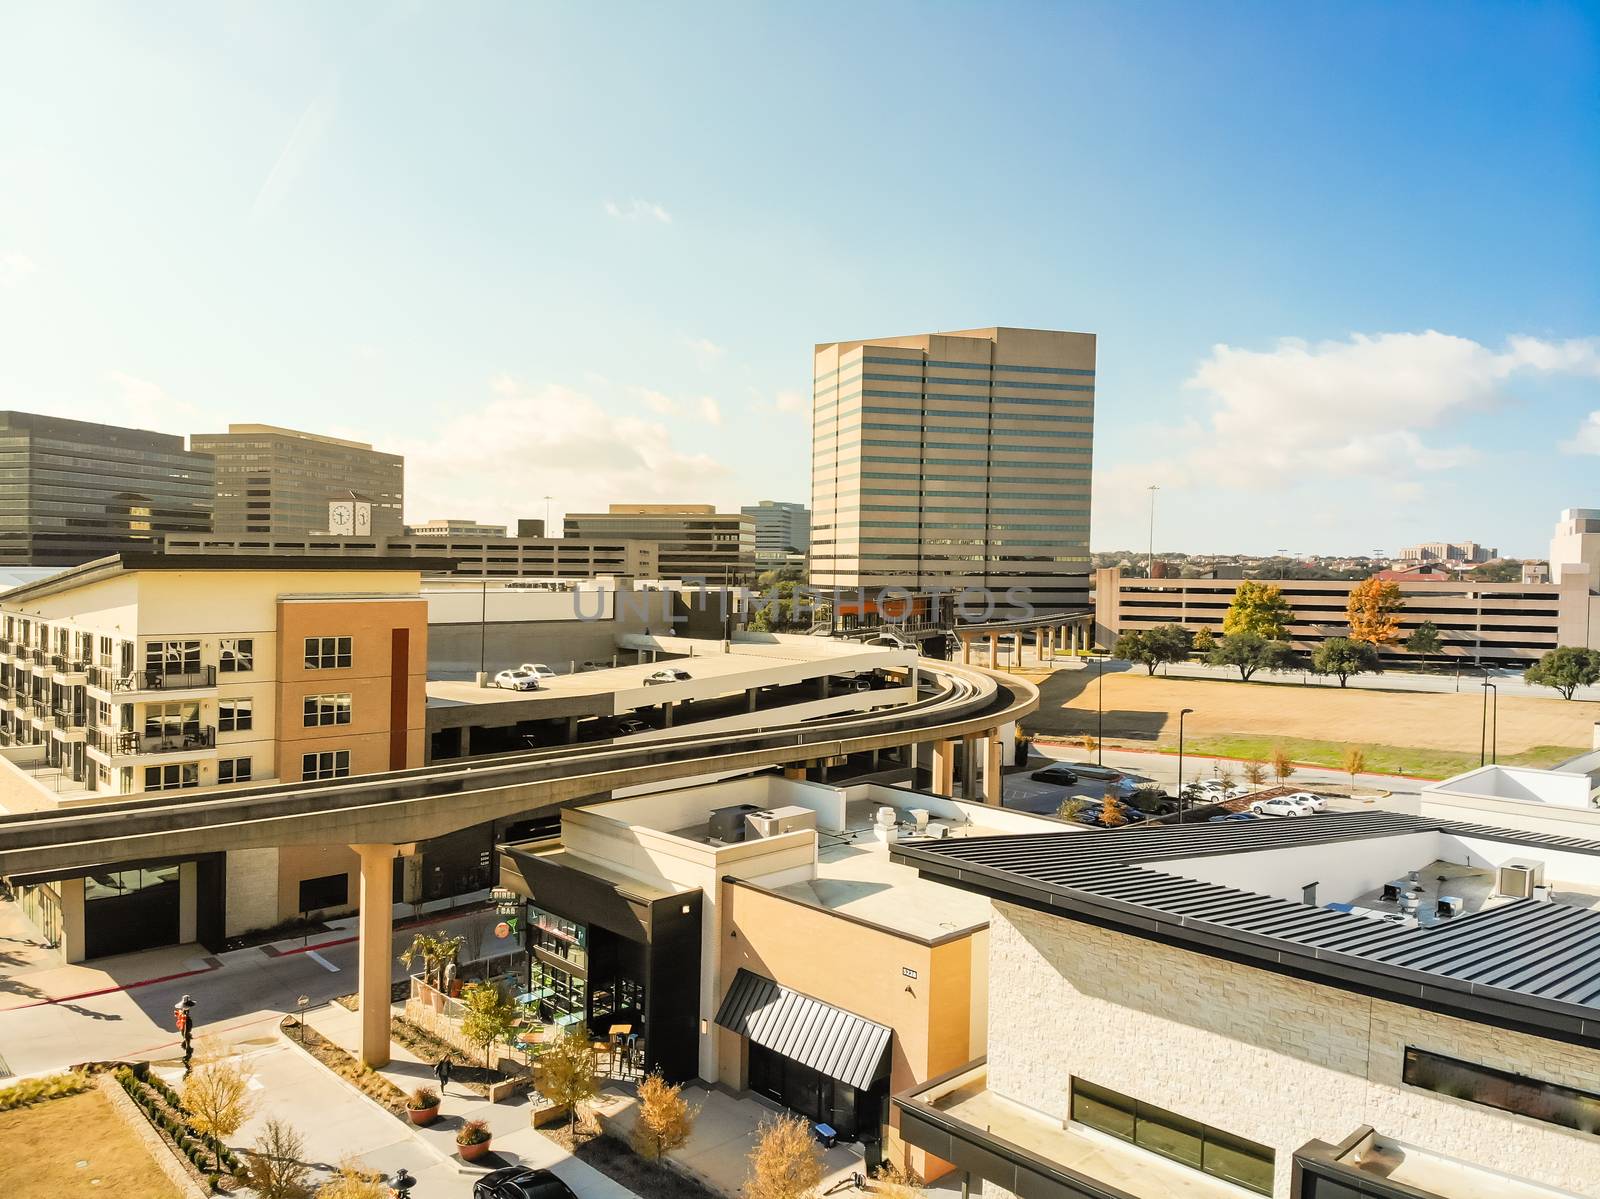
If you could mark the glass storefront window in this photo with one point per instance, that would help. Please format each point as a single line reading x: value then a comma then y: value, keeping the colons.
x: 556, y: 935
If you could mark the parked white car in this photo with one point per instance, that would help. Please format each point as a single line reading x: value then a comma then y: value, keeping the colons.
x: 1236, y: 792
x: 1214, y: 787
x: 518, y: 678
x: 671, y: 674
x: 538, y: 669
x: 1315, y: 802
x: 1279, y: 806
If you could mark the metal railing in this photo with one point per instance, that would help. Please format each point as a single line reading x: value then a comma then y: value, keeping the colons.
x: 162, y: 680
x: 69, y: 718
x: 202, y: 737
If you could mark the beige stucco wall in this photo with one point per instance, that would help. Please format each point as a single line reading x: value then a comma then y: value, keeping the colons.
x: 252, y: 890
x: 1271, y: 1058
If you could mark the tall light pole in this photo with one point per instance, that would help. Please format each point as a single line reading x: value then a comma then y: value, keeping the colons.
x: 547, y: 500
x: 1100, y: 712
x: 1184, y: 712
x: 1486, y: 738
x: 1150, y: 570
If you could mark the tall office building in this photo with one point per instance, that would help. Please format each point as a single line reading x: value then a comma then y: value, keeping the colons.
x: 72, y: 491
x: 947, y: 461
x: 692, y: 540
x: 783, y: 530
x: 280, y: 481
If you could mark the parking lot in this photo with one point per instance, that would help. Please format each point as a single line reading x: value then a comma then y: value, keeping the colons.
x: 1027, y: 794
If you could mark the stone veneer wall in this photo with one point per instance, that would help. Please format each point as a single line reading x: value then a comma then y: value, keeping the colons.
x: 252, y: 890
x: 1260, y: 1055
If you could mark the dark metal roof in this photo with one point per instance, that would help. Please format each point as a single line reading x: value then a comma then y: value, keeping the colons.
x: 1543, y: 954
x: 830, y: 1040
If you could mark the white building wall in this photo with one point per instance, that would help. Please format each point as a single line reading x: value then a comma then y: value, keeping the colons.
x: 1267, y: 1057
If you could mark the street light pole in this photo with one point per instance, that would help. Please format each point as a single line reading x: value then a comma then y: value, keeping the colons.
x: 1100, y: 712
x: 1150, y: 569
x: 1494, y: 721
x: 1184, y: 712
x: 1483, y: 724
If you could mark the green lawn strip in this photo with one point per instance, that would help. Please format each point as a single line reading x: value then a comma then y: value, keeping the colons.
x: 1381, y: 759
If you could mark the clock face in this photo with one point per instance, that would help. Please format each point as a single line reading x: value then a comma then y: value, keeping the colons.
x: 341, y: 519
x: 362, y: 520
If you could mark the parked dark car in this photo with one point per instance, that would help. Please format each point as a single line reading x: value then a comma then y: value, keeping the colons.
x: 1057, y: 772
x: 519, y: 1182
x: 1088, y: 770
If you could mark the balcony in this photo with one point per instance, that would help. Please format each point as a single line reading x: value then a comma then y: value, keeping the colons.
x: 128, y: 744
x: 67, y: 664
x: 156, y: 680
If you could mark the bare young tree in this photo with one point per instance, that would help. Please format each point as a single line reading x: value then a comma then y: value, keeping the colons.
x: 217, y: 1097
x: 273, y: 1166
x: 785, y: 1164
x: 666, y: 1121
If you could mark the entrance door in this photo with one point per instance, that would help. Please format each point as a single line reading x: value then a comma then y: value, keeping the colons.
x: 128, y: 910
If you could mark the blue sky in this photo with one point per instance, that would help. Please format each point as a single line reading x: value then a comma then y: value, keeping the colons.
x: 1343, y: 260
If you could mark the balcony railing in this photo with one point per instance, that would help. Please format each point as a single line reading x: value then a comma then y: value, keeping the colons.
x: 69, y: 718
x: 101, y: 677
x: 67, y: 663
x: 203, y: 737
x: 38, y: 657
x: 157, y: 680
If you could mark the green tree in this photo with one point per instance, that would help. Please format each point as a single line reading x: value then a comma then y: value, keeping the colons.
x: 1424, y: 642
x: 1565, y: 668
x: 1249, y: 652
x: 489, y: 1016
x: 1153, y: 647
x: 1344, y: 657
x: 1204, y: 642
x: 218, y: 1099
x: 435, y: 953
x: 1258, y: 608
x: 1282, y: 764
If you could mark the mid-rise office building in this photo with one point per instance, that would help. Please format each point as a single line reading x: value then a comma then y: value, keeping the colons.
x: 454, y: 528
x: 74, y: 490
x: 1469, y: 552
x: 280, y: 482
x: 943, y: 462
x: 693, y: 541
x: 783, y: 531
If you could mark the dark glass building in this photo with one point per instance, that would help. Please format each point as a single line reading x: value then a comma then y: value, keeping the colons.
x: 72, y: 491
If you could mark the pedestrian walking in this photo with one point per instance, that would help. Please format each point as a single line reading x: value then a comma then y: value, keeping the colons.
x: 441, y: 1071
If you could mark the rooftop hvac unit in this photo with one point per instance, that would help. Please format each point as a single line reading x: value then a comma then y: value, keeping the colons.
x: 919, y: 818
x: 727, y: 824
x: 1518, y: 879
x: 775, y: 821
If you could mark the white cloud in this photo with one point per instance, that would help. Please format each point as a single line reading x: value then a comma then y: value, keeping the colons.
x: 791, y: 402
x: 710, y: 410
x: 1587, y: 439
x: 497, y: 460
x: 638, y: 210
x: 706, y: 352
x: 657, y: 402
x: 146, y: 405
x: 14, y: 268
x: 1367, y: 406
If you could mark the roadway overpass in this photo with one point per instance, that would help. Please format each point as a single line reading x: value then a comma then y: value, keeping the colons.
x: 379, y: 816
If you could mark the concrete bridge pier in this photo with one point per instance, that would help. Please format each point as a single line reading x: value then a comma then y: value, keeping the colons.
x: 375, y: 949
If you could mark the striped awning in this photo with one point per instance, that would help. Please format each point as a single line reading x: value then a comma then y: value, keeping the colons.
x: 830, y: 1040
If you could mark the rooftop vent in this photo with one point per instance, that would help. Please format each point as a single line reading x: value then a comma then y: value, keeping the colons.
x: 1518, y: 879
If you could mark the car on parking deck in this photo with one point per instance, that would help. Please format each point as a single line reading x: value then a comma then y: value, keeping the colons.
x: 1056, y: 772
x: 1279, y: 806
x: 1232, y: 818
x: 630, y: 725
x: 1311, y: 800
x: 669, y: 674
x: 518, y: 678
x: 538, y: 669
x: 519, y: 1182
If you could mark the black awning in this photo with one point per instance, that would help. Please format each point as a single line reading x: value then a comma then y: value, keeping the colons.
x: 830, y: 1040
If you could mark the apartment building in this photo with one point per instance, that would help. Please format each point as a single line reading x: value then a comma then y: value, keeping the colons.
x: 693, y: 541
x: 783, y: 531
x: 72, y: 490
x: 142, y: 673
x: 948, y: 461
x: 279, y: 482
x: 755, y: 934
x: 1469, y: 552
x: 1363, y: 1005
x: 491, y: 557
x: 1499, y: 623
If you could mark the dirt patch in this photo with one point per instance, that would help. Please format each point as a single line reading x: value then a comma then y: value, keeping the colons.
x: 1139, y: 708
x: 60, y: 1148
x: 618, y: 1162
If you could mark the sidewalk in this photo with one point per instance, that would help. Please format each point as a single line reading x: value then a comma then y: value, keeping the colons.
x: 515, y: 1142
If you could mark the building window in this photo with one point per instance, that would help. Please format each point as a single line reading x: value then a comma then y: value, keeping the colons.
x: 172, y: 657
x: 233, y: 770
x: 1515, y: 1093
x: 1188, y: 1142
x: 235, y: 715
x: 330, y: 764
x: 172, y: 778
x: 172, y: 720
x: 327, y: 653
x: 321, y: 710
x: 238, y: 655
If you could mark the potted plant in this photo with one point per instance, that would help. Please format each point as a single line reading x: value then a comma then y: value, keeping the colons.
x: 472, y: 1140
x: 423, y: 1105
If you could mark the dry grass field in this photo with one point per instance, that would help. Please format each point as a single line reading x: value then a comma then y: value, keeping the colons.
x: 1420, y: 732
x: 75, y: 1147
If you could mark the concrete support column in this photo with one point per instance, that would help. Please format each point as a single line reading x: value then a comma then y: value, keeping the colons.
x: 666, y: 715
x: 944, y: 768
x: 994, y: 649
x: 750, y: 698
x: 969, y: 768
x: 796, y: 773
x: 993, y: 767
x: 966, y: 653
x: 572, y: 729
x: 466, y: 741
x: 822, y: 687
x: 375, y: 950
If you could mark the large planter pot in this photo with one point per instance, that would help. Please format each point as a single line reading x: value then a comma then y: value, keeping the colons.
x: 471, y: 1153
x: 423, y: 1115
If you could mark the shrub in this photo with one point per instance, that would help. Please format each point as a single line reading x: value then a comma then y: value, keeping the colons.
x: 473, y: 1132
x: 422, y: 1099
